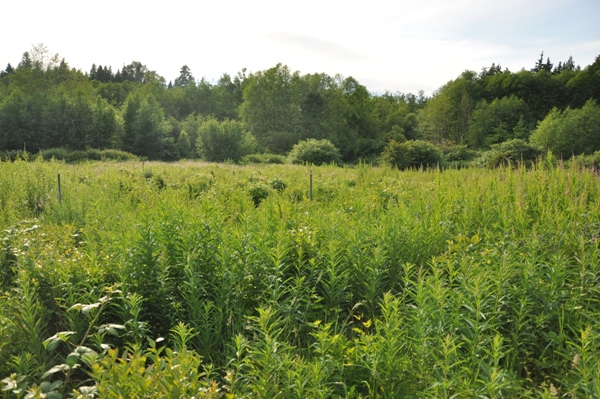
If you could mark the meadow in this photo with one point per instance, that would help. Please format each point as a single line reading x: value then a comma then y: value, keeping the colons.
x: 154, y: 280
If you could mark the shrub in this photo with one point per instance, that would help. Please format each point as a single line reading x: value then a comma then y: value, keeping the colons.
x: 316, y: 152
x: 263, y: 158
x: 511, y: 151
x: 278, y: 184
x: 56, y: 153
x: 82, y: 156
x: 454, y: 153
x: 258, y: 193
x: 90, y: 154
x: 411, y: 154
x: 118, y: 155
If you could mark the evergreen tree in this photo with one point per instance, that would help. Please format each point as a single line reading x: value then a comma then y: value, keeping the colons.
x: 26, y: 62
x: 100, y: 74
x: 9, y: 69
x: 93, y: 72
x: 569, y: 65
x: 539, y: 65
x: 548, y: 65
x: 185, y: 77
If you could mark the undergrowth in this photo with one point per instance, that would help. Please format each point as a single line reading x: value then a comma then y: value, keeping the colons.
x: 156, y: 280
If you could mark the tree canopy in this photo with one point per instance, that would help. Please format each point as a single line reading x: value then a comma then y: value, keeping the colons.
x: 44, y: 103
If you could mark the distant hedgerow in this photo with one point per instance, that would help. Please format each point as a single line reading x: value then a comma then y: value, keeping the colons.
x: 263, y: 158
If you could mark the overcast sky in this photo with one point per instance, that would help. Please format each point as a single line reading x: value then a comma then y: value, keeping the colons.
x: 400, y: 45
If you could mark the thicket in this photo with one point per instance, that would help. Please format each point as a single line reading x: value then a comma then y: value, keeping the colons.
x: 151, y: 279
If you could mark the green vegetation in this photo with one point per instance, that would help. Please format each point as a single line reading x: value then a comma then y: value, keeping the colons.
x: 222, y: 141
x: 317, y: 152
x: 45, y: 104
x: 510, y: 152
x: 571, y: 132
x: 206, y: 280
x: 411, y: 154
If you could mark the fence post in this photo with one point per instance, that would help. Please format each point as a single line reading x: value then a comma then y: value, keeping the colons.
x: 310, y: 191
x: 59, y: 191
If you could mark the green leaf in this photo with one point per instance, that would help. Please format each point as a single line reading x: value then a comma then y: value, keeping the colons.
x: 50, y: 386
x: 72, y: 359
x: 51, y: 343
x: 77, y: 306
x: 110, y: 328
x: 56, y: 384
x: 54, y: 395
x: 56, y: 369
x: 82, y: 352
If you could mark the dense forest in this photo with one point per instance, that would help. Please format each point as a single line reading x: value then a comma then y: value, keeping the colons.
x: 44, y: 104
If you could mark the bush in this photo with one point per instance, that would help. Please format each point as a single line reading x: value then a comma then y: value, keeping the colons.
x: 315, y: 152
x: 411, y: 154
x: 278, y: 184
x: 118, y: 155
x: 90, y: 154
x: 455, y: 153
x: 263, y: 158
x: 258, y: 192
x: 82, y: 156
x: 511, y: 151
x: 570, y: 132
x: 60, y: 154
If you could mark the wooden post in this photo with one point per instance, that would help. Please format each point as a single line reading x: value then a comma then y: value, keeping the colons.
x: 310, y: 191
x: 59, y: 192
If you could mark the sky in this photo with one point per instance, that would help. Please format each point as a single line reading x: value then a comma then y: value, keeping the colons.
x: 397, y: 46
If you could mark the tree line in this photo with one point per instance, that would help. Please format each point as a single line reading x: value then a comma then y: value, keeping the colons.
x: 44, y: 103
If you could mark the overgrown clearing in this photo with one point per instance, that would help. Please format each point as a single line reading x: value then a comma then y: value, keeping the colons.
x: 461, y: 283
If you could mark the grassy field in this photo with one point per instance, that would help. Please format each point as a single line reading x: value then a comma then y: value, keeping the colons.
x: 204, y: 280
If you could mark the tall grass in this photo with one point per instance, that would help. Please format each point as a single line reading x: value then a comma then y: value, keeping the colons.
x: 461, y: 283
